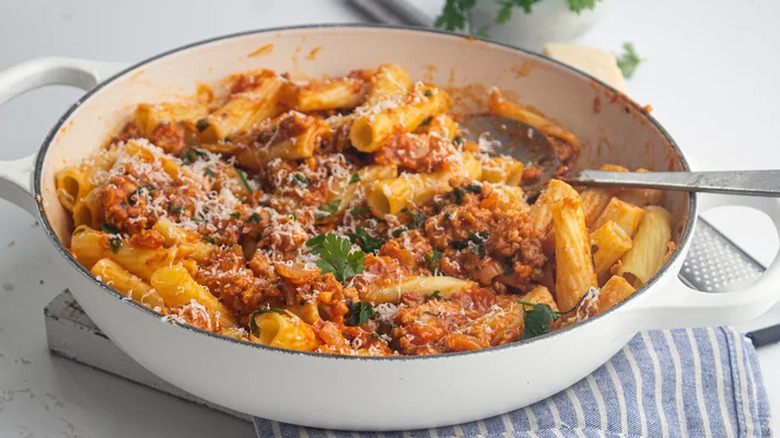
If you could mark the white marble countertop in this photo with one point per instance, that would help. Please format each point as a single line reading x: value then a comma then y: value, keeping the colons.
x: 710, y: 75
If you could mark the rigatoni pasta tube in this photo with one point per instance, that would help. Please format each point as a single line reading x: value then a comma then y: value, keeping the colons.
x: 594, y: 201
x: 147, y: 116
x: 650, y: 245
x: 424, y: 285
x: 390, y: 196
x: 505, y: 170
x: 244, y: 109
x: 177, y: 288
x: 627, y: 216
x: 574, y: 274
x: 114, y: 275
x: 501, y: 107
x: 282, y: 330
x: 189, y: 244
x: 370, y: 132
x: 341, y: 93
x: 615, y: 290
x: 611, y: 242
x: 390, y: 80
x: 89, y: 246
x: 541, y: 213
x: 346, y: 190
x: 311, y: 133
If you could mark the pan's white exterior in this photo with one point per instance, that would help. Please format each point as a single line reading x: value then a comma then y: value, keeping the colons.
x: 367, y: 393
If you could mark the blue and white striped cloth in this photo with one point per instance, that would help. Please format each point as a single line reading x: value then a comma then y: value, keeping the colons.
x: 670, y: 383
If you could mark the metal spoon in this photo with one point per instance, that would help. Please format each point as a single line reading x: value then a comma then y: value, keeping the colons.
x: 528, y: 145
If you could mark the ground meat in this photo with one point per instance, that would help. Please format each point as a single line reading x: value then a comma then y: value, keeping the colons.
x: 409, y: 249
x: 237, y: 288
x: 147, y: 239
x: 420, y: 329
x: 485, y: 243
x: 127, y: 216
x: 171, y: 137
x: 417, y: 152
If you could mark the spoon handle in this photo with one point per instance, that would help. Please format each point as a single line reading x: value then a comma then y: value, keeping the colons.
x: 743, y: 182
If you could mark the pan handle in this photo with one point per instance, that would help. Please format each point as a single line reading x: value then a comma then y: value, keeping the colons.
x: 16, y: 175
x: 675, y: 305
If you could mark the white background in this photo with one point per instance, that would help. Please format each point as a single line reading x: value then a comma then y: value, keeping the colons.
x: 710, y: 73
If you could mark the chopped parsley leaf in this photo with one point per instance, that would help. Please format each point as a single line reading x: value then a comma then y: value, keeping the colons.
x: 202, y: 124
x: 235, y: 215
x: 242, y: 177
x: 254, y: 218
x: 426, y: 121
x: 300, y: 179
x: 328, y: 210
x: 116, y: 243
x: 357, y: 211
x: 354, y: 178
x: 366, y: 242
x: 210, y: 172
x: 359, y: 313
x: 209, y: 239
x: 79, y: 230
x: 457, y: 141
x: 109, y: 228
x: 417, y: 218
x: 336, y: 256
x: 459, y: 194
x: 428, y: 93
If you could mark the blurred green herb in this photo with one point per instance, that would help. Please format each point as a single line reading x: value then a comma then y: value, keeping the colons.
x: 629, y: 60
x: 457, y: 14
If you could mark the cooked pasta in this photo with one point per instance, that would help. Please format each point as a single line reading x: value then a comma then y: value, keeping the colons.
x: 350, y: 215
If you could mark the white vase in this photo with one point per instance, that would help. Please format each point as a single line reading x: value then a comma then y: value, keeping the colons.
x: 549, y: 21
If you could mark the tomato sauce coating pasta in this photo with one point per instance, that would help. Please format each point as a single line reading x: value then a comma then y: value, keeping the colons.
x: 255, y: 215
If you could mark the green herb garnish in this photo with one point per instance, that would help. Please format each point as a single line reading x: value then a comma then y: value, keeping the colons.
x: 357, y: 211
x: 457, y: 141
x: 336, y: 256
x: 359, y: 313
x: 398, y: 231
x: 190, y: 155
x: 109, y: 228
x: 432, y: 259
x: 428, y: 93
x: 538, y: 319
x: 242, y: 177
x: 365, y: 241
x: 79, y: 230
x: 417, y: 218
x: 328, y: 210
x: 457, y: 14
x: 235, y: 215
x: 209, y: 239
x: 115, y: 242
x: 426, y: 121
x: 628, y: 61
x: 176, y: 208
x: 477, y: 242
x: 459, y: 194
x: 202, y: 125
x: 473, y: 188
x: 254, y: 218
x: 253, y: 327
x: 210, y: 172
x: 436, y: 295
x: 300, y: 179
x: 146, y: 187
x: 354, y: 178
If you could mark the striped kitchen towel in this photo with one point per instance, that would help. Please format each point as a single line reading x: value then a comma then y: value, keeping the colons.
x: 667, y: 383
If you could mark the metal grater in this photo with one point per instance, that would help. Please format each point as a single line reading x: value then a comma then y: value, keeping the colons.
x: 715, y: 264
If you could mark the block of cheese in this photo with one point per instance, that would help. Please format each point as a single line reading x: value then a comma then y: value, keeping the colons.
x: 596, y: 62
